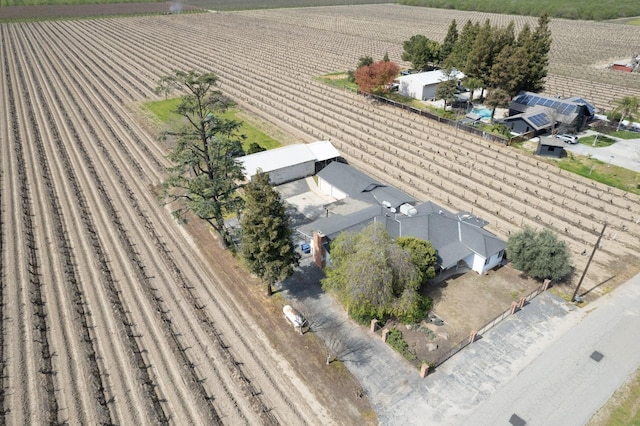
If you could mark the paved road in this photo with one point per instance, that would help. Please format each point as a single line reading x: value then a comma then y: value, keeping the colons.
x: 535, y: 364
x: 450, y: 394
x: 565, y: 385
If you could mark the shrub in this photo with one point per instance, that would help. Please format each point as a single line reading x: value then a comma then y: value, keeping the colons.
x: 395, y: 340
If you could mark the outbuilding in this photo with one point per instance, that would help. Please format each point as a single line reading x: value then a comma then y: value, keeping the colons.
x: 423, y: 85
x: 550, y: 147
x: 291, y: 162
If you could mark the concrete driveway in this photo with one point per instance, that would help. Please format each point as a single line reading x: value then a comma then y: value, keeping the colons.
x: 624, y: 153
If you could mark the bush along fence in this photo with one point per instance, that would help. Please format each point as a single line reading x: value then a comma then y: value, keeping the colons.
x: 515, y: 306
x: 453, y: 123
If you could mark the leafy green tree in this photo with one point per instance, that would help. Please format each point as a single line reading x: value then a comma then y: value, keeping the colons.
x: 206, y: 171
x: 421, y: 52
x: 372, y: 276
x: 449, y: 41
x: 446, y: 91
x: 627, y: 107
x: 472, y: 84
x: 423, y: 255
x: 539, y: 254
x: 364, y: 61
x: 267, y: 246
x: 497, y: 98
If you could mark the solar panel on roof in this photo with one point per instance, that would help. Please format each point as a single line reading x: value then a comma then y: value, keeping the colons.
x: 556, y: 104
x: 539, y: 120
x: 534, y: 100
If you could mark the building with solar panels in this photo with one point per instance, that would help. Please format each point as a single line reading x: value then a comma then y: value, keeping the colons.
x: 537, y: 114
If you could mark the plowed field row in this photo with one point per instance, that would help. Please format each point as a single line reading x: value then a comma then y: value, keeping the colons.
x: 321, y: 111
x: 109, y: 315
x: 107, y: 284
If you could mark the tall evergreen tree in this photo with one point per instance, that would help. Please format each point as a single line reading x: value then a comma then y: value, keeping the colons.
x: 449, y: 41
x: 538, y: 46
x: 205, y: 169
x: 267, y: 245
x: 508, y: 70
x: 457, y: 58
x: 479, y: 59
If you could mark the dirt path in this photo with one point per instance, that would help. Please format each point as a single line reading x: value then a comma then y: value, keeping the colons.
x: 117, y: 320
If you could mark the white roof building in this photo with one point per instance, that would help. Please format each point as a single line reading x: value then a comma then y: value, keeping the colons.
x: 289, y: 162
x: 423, y: 85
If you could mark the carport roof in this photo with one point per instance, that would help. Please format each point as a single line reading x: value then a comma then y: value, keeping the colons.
x: 286, y: 156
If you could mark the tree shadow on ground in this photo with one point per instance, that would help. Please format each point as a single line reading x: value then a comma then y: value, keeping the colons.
x: 304, y: 283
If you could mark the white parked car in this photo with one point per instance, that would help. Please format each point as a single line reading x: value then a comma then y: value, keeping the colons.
x: 572, y: 139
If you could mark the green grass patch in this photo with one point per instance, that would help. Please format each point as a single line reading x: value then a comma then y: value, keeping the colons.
x: 623, y: 408
x: 602, y: 172
x: 626, y: 134
x: 339, y: 80
x: 592, y: 10
x: 163, y: 111
x: 635, y: 21
x: 601, y: 141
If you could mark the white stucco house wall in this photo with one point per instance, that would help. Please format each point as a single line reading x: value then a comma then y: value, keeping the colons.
x: 423, y: 85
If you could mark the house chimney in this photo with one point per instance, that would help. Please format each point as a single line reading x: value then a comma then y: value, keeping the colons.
x: 319, y: 255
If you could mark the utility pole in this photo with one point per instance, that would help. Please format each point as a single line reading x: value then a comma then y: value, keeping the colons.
x: 595, y: 247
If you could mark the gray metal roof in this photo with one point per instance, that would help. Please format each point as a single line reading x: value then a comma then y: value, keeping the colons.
x: 454, y: 236
x: 358, y: 185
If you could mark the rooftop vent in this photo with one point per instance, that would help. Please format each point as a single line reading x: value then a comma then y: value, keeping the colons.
x: 408, y: 210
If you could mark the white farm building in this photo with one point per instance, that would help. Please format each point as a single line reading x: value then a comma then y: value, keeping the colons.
x: 290, y: 162
x: 423, y: 85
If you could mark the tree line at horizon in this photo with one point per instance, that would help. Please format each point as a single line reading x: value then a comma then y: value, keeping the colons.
x: 591, y: 10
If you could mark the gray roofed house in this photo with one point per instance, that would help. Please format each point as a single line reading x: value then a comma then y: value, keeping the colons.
x: 341, y: 180
x: 535, y: 112
x: 456, y: 237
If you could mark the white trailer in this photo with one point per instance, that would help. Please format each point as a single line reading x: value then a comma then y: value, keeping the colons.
x: 298, y: 321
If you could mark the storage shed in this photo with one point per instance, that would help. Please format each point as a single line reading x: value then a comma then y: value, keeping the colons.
x: 423, y: 86
x: 290, y: 162
x: 550, y: 147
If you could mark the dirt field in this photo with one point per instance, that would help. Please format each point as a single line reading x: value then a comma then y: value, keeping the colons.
x: 465, y: 302
x: 112, y: 314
